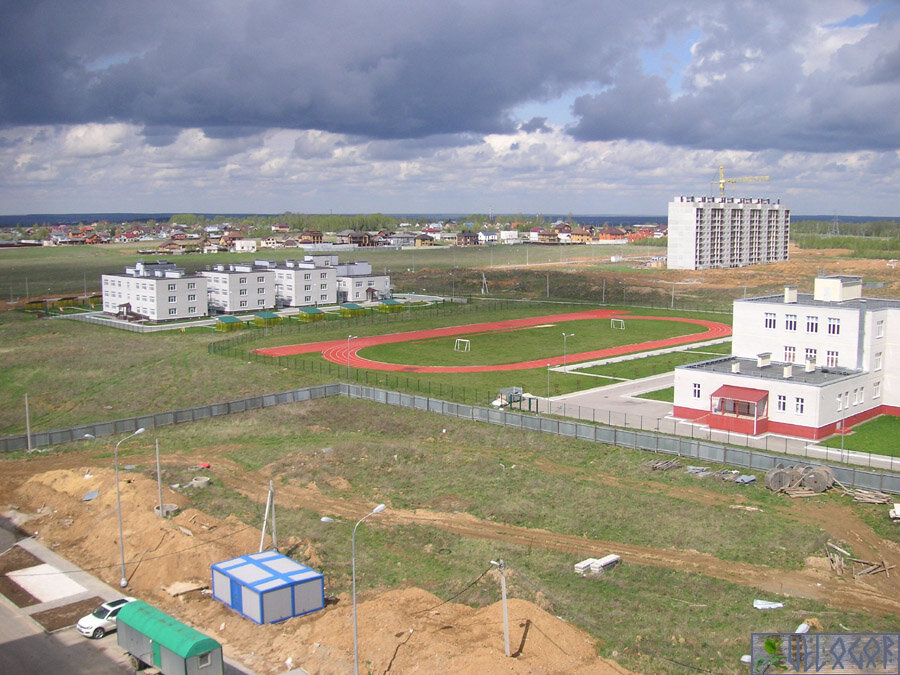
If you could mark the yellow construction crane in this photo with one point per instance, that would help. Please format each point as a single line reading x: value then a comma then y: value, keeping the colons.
x: 745, y: 179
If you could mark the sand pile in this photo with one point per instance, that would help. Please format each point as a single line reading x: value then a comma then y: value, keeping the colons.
x: 399, y: 631
x: 180, y: 548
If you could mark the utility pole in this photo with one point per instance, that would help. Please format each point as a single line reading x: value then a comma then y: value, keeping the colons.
x: 27, y: 424
x: 502, y: 565
x: 162, y: 513
x: 270, y: 506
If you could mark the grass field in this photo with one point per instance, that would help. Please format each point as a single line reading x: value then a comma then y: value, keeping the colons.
x: 667, y: 395
x: 404, y: 459
x: 70, y: 269
x: 526, y: 344
x: 635, y: 369
x: 878, y: 436
x: 651, y: 618
x: 75, y: 372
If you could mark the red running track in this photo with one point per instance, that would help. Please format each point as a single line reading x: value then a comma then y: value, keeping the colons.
x: 336, y: 350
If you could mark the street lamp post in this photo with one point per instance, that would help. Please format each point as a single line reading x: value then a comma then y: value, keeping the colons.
x: 566, y: 336
x: 548, y: 385
x: 123, y: 582
x: 326, y: 519
x: 349, y: 337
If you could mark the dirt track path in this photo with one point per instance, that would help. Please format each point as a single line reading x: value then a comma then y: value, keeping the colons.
x: 877, y: 594
x: 874, y: 595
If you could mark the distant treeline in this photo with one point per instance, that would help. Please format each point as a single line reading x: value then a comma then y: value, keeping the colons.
x: 296, y: 221
x: 860, y: 247
x: 870, y: 228
x: 865, y: 239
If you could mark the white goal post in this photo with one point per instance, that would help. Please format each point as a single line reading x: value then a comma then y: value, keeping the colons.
x: 462, y: 345
x: 617, y: 323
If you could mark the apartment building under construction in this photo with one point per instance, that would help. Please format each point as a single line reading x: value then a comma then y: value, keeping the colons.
x: 722, y: 232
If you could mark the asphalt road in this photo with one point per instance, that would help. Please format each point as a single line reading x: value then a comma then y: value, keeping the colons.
x: 26, y: 648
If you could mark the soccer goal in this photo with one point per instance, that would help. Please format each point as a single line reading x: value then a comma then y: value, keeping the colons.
x: 619, y: 324
x: 462, y: 345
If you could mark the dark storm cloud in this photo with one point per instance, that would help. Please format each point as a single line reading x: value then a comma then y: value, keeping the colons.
x: 748, y: 88
x: 417, y: 70
x: 374, y: 69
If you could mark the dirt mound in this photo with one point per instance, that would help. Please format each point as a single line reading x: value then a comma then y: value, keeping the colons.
x: 399, y: 630
x: 410, y: 630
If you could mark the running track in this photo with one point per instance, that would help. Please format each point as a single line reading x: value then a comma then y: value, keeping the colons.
x: 336, y: 350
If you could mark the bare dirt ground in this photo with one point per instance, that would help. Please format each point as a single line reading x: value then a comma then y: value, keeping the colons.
x: 404, y: 630
x: 400, y: 630
x: 802, y: 268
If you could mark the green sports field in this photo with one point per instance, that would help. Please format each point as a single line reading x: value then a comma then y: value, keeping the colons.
x: 527, y: 344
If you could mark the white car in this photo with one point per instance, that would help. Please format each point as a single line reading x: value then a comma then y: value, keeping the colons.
x: 102, y: 620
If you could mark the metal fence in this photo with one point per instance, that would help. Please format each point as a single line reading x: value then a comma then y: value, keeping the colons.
x: 699, y: 450
x: 671, y: 426
x: 694, y: 449
x: 43, y: 439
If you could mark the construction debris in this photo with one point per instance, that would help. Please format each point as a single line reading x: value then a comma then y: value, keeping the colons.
x: 663, y: 464
x: 182, y: 587
x: 800, y: 480
x: 837, y: 562
x: 869, y: 496
x: 861, y: 567
x: 795, y: 492
x: 839, y: 558
x: 597, y: 565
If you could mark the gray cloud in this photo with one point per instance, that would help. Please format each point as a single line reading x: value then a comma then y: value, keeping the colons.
x: 376, y: 69
x: 535, y: 125
x: 746, y: 89
x: 394, y: 104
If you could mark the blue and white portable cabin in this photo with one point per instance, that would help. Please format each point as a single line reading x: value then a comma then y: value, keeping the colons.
x: 268, y: 587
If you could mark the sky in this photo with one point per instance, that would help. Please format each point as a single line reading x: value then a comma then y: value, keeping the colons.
x: 404, y: 106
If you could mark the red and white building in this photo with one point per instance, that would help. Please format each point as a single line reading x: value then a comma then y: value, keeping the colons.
x: 805, y: 365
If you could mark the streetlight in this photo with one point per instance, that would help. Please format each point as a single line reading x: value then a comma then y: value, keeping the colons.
x: 566, y: 336
x: 123, y: 582
x: 548, y: 387
x: 349, y: 337
x: 326, y: 519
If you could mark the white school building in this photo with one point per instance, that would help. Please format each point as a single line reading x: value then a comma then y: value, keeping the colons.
x: 805, y: 365
x: 157, y: 291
